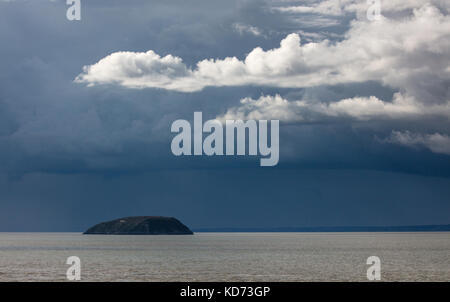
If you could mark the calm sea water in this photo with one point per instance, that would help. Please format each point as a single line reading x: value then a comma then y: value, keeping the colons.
x: 226, y: 256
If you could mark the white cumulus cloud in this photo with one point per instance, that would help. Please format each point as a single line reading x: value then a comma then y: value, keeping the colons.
x: 247, y: 29
x: 409, y: 53
x: 357, y: 108
x: 360, y: 7
x: 437, y: 143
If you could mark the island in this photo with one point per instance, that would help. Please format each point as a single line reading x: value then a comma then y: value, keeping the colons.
x: 140, y: 225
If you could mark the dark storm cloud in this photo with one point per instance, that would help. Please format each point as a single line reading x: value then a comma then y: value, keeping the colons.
x: 65, y: 147
x: 224, y: 198
x: 52, y: 124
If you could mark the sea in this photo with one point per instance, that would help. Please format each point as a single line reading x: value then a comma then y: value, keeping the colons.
x: 226, y: 256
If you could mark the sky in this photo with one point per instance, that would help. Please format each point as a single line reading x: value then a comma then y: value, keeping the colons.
x: 86, y: 108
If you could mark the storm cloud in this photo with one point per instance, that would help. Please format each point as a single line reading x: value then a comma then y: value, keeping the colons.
x: 86, y: 108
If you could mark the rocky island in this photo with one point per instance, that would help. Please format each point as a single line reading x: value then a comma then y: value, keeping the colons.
x: 140, y: 225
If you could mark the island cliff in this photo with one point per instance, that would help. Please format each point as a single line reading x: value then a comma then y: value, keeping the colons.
x: 141, y: 225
